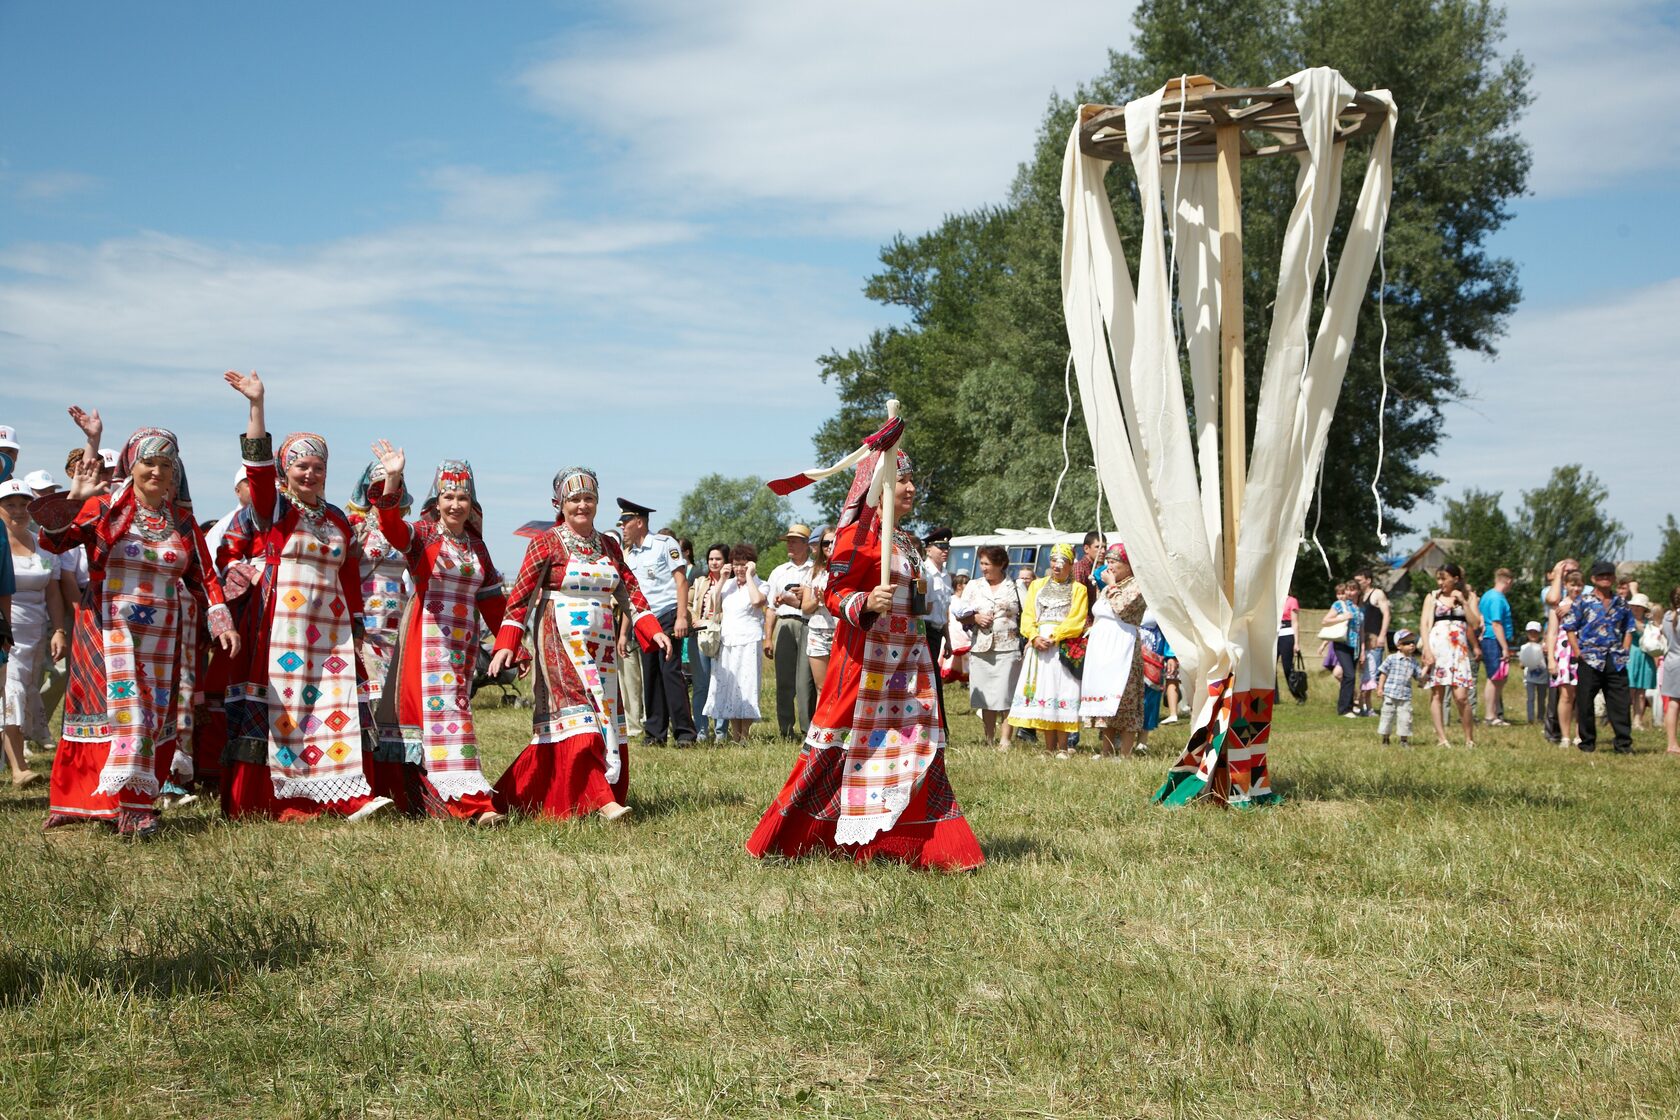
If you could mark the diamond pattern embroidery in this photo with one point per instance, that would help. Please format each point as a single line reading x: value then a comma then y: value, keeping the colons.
x: 289, y: 661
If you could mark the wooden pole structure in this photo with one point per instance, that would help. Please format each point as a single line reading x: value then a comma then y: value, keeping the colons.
x: 889, y: 499
x: 1233, y: 459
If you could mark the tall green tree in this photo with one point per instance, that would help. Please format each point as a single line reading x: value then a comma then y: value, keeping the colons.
x: 1566, y: 517
x: 728, y: 510
x: 1487, y: 541
x: 980, y: 362
x: 1662, y: 575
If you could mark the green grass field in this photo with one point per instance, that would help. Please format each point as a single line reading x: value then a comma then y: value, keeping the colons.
x: 1421, y: 933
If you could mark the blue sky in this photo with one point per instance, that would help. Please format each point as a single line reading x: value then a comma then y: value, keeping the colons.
x: 538, y: 233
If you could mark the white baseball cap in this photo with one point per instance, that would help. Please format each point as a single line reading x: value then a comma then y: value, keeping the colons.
x: 238, y: 477
x: 8, y: 437
x: 1533, y: 626
x: 12, y: 488
x: 40, y: 480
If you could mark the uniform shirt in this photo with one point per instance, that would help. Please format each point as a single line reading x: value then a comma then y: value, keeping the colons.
x: 1601, y: 628
x: 656, y: 561
x: 1398, y: 672
x: 788, y: 574
x: 938, y: 595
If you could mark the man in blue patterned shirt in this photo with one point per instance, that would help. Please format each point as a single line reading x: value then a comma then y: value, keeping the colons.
x: 1601, y: 630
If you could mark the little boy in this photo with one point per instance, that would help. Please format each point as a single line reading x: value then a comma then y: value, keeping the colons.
x: 1536, y: 677
x: 1394, y: 681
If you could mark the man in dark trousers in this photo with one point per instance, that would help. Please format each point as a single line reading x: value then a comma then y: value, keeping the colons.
x: 658, y: 563
x: 1600, y: 630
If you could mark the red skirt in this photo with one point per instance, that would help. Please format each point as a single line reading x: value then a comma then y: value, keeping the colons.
x: 408, y: 786
x: 930, y: 833
x: 75, y: 776
x: 248, y: 791
x: 565, y: 779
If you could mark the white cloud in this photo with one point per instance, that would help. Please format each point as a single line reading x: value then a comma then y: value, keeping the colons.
x: 1591, y: 384
x: 46, y: 186
x: 475, y: 195
x: 869, y: 115
x: 1601, y: 77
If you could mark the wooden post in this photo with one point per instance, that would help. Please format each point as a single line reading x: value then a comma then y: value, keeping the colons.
x: 889, y: 499
x: 1233, y: 459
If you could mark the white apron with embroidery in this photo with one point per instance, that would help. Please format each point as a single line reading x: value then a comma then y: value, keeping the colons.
x: 582, y: 610
x: 448, y: 625
x: 141, y: 632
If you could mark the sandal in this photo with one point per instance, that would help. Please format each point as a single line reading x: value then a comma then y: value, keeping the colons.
x: 615, y: 812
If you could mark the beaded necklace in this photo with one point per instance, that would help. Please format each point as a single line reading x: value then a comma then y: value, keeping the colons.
x: 154, y: 524
x: 583, y: 548
x: 314, y: 518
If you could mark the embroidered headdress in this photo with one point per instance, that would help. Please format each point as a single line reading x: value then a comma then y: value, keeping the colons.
x: 454, y: 475
x: 1062, y: 551
x: 570, y: 481
x: 360, y: 504
x: 299, y: 444
x: 155, y: 443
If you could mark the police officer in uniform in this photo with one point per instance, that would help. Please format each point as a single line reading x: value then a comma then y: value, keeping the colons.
x: 658, y: 563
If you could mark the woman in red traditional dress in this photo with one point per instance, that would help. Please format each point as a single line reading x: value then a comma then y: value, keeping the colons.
x: 299, y: 737
x: 871, y: 780
x: 436, y: 650
x: 563, y: 598
x: 384, y: 597
x: 122, y: 714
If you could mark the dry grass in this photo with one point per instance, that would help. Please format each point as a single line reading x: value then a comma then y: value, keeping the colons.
x: 1425, y: 933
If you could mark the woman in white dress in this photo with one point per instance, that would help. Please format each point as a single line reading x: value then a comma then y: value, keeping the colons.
x: 953, y: 664
x: 1056, y: 610
x: 991, y: 605
x: 38, y: 612
x: 1111, y: 690
x: 735, y: 672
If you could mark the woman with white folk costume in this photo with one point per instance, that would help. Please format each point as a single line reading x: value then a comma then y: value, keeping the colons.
x: 299, y: 733
x: 1111, y: 689
x: 122, y: 715
x: 1054, y: 611
x: 572, y: 575
x: 383, y: 569
x: 42, y: 586
x: 871, y: 779
x: 429, y: 693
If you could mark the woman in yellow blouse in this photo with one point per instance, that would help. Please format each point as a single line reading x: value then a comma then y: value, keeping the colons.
x: 1056, y: 610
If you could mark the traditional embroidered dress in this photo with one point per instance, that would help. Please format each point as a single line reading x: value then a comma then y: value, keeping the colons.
x: 1111, y: 692
x: 122, y: 714
x: 430, y: 690
x: 1047, y: 694
x: 298, y: 736
x: 577, y: 760
x: 381, y: 565
x: 871, y: 779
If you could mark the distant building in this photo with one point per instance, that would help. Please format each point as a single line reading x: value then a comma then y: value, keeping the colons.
x: 1434, y: 552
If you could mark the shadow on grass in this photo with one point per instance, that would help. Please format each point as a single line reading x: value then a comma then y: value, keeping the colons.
x: 1016, y: 848
x: 206, y: 952
x: 34, y: 803
x: 1405, y: 787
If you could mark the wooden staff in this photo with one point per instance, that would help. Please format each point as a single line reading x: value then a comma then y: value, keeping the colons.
x: 889, y: 498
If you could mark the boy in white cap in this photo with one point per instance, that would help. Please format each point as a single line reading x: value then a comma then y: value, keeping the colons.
x: 1394, y: 680
x: 9, y: 450
x: 1536, y: 677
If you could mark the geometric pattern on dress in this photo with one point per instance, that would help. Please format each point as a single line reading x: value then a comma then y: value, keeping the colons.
x: 314, y: 718
x: 140, y: 643
x: 895, y: 733
x: 1225, y: 759
x: 818, y: 791
x: 448, y: 652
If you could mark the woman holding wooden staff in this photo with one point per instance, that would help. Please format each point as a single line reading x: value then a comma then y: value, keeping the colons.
x: 871, y: 779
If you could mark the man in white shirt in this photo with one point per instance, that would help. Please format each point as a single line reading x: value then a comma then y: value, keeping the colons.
x: 938, y: 545
x: 241, y: 491
x: 658, y: 563
x: 784, y: 635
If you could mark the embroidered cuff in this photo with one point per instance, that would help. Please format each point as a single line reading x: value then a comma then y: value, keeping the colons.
x: 379, y: 498
x: 220, y: 619
x: 852, y: 607
x: 55, y: 512
x: 257, y: 452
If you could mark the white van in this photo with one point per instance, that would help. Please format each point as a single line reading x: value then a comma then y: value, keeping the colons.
x: 1027, y: 548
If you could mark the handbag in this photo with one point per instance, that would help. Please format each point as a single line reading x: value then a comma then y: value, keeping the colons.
x: 1071, y: 652
x: 1652, y: 642
x: 1334, y: 631
x: 711, y: 638
x: 1296, y: 678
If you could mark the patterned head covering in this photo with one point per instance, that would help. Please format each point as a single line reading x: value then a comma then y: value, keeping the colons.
x: 1062, y: 551
x: 1116, y: 554
x: 375, y: 472
x: 299, y: 444
x: 155, y: 443
x: 905, y: 467
x: 453, y: 475
x: 575, y: 480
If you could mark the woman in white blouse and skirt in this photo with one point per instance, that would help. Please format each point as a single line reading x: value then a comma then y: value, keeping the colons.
x: 735, y: 671
x: 819, y: 623
x: 991, y: 604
